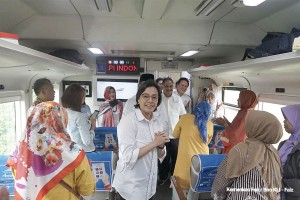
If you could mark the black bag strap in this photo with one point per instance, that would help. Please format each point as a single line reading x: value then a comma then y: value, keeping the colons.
x: 245, y: 55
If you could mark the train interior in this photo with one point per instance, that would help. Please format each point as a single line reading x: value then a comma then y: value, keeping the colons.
x: 155, y: 32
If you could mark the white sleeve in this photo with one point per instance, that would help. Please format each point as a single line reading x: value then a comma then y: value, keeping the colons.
x: 127, y: 131
x: 129, y: 106
x: 163, y: 116
x: 84, y: 125
x: 163, y: 157
x: 182, y: 110
x: 189, y: 110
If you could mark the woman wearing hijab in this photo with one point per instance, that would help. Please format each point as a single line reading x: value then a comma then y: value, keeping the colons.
x: 195, y: 133
x: 252, y: 169
x: 112, y: 117
x: 235, y: 131
x: 46, y: 163
x: 289, y: 152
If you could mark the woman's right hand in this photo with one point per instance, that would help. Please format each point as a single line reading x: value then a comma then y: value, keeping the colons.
x: 161, y: 138
x: 93, y: 123
x: 219, y: 121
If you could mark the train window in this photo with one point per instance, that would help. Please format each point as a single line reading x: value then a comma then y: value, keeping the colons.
x: 275, y: 109
x: 273, y: 103
x: 8, y: 126
x: 230, y: 95
x: 230, y: 112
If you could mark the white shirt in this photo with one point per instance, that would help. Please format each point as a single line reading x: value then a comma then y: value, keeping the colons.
x: 175, y: 108
x: 214, y: 112
x: 135, y: 179
x: 129, y: 106
x: 160, y: 111
x: 187, y: 102
x: 79, y: 129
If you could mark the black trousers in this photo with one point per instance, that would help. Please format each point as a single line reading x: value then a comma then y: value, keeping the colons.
x: 119, y: 197
x: 168, y: 165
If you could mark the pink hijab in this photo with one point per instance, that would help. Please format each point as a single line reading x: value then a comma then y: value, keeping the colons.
x: 46, y: 154
x: 236, y: 131
x: 117, y: 106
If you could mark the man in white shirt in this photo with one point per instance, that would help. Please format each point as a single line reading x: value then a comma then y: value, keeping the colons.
x: 161, y: 110
x: 216, y: 108
x: 181, y: 87
x: 175, y: 109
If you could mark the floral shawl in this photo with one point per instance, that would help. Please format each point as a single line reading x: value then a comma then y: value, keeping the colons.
x: 46, y: 154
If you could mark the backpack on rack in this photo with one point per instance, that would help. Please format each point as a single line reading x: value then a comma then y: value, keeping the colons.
x: 68, y: 54
x: 273, y: 43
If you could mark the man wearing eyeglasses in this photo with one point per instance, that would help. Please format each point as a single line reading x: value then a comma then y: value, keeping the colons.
x: 175, y: 108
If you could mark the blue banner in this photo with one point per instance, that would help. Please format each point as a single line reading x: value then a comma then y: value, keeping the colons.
x: 101, y: 166
x: 6, y: 177
x: 106, y: 139
x: 216, y: 141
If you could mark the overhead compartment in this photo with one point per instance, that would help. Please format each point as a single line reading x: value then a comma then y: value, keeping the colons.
x: 20, y: 65
x: 262, y: 75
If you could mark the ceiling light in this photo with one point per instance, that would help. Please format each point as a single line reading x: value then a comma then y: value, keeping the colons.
x: 95, y: 51
x: 252, y: 2
x: 189, y: 53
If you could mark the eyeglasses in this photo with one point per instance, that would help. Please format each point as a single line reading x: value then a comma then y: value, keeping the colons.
x: 147, y: 97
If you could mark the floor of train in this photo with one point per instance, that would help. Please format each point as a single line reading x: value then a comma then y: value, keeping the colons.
x: 163, y: 192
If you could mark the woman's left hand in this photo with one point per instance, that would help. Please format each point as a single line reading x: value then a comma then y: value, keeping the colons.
x: 161, y: 138
x: 4, y: 194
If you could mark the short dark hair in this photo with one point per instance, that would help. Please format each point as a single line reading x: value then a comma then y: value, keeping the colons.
x: 182, y: 79
x: 72, y: 97
x: 39, y: 84
x: 167, y: 79
x: 159, y: 79
x: 145, y: 77
x: 143, y: 87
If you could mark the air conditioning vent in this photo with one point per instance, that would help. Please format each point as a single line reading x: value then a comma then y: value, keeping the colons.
x: 203, y: 4
x: 131, y: 52
x: 103, y: 5
x: 206, y: 7
x: 237, y: 3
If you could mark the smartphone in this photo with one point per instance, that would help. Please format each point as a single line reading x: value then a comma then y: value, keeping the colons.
x: 95, y: 114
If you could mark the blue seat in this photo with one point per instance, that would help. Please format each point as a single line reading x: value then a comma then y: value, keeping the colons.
x: 203, y: 171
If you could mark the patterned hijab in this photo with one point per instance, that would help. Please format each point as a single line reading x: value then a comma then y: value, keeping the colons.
x: 292, y: 114
x: 202, y: 112
x: 263, y: 129
x: 236, y: 132
x: 46, y: 154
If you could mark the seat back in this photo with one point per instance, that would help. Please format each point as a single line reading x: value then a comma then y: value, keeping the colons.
x: 203, y: 171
